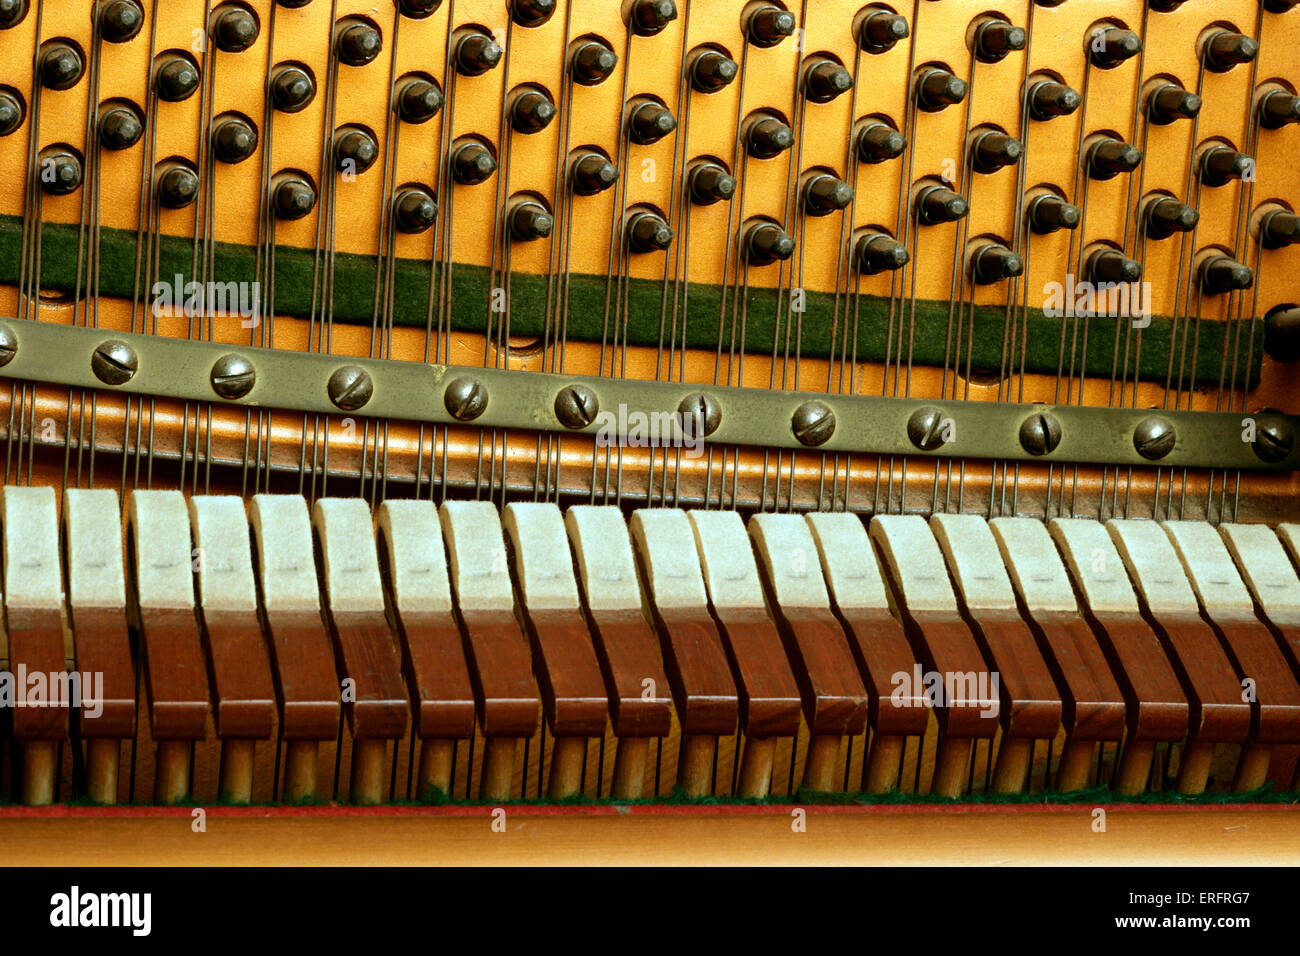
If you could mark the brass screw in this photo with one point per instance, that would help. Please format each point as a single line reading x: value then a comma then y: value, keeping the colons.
x: 1154, y: 438
x: 813, y: 423
x: 465, y: 398
x: 576, y: 406
x: 1040, y: 434
x: 233, y: 376
x: 114, y: 362
x: 703, y: 408
x: 925, y: 428
x: 1274, y: 439
x: 8, y: 344
x: 350, y: 387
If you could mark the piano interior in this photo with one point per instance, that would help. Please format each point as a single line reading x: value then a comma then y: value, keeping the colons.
x: 445, y: 404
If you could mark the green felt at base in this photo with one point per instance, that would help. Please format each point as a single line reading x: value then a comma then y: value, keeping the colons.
x: 354, y: 284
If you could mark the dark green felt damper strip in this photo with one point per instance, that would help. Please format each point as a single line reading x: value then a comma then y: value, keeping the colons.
x: 354, y: 278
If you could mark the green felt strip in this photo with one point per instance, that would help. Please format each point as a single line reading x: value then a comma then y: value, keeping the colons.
x: 354, y: 283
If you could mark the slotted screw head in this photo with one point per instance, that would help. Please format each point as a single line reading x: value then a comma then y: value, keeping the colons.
x: 114, y: 362
x: 233, y: 376
x: 8, y: 345
x: 925, y: 428
x: 1154, y: 438
x: 1040, y: 433
x: 466, y: 398
x: 813, y: 423
x: 350, y: 387
x: 1274, y: 439
x: 701, y: 407
x: 576, y: 406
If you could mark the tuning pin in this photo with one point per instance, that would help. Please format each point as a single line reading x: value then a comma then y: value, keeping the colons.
x: 60, y: 168
x: 120, y: 20
x: 649, y: 17
x: 1280, y: 228
x: 1171, y: 102
x: 591, y: 173
x: 1282, y: 334
x: 878, y: 143
x: 709, y: 183
x: 1219, y: 164
x: 476, y: 53
x: 592, y: 63
x: 12, y: 112
x: 938, y: 89
x: 1278, y: 108
x: 12, y: 13
x: 1109, y: 47
x: 880, y: 31
x: 472, y: 163
x: 419, y: 101
x: 296, y: 4
x: 825, y: 81
x: 357, y: 42
x: 292, y: 88
x: 531, y: 111
x: 649, y: 122
x: 120, y: 126
x: 415, y: 9
x: 937, y: 204
x: 711, y: 71
x: 992, y: 151
x: 993, y: 262
x: 1110, y: 157
x: 61, y: 66
x: 823, y: 194
x: 1220, y: 274
x: 1111, y: 265
x: 876, y: 252
x: 996, y: 38
x: 769, y: 25
x: 234, y: 139
x: 176, y: 78
x: 1049, y: 213
x: 531, y: 13
x: 767, y: 138
x: 292, y: 197
x: 1280, y: 6
x: 355, y: 150
x: 529, y: 220
x: 1225, y: 49
x: 765, y: 243
x: 1165, y: 6
x: 234, y: 29
x: 414, y: 210
x: 176, y: 184
x: 1165, y: 216
x: 1048, y: 99
x: 647, y: 232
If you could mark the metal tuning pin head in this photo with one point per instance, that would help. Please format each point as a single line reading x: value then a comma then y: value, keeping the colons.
x: 472, y: 163
x: 418, y: 101
x: 414, y: 9
x: 710, y: 183
x: 881, y: 31
x: 176, y: 78
x: 876, y: 252
x: 1278, y: 108
x: 767, y: 138
x: 648, y: 232
x: 476, y: 53
x: 1225, y: 49
x: 826, y: 80
x: 592, y: 63
x: 765, y: 243
x: 1220, y: 274
x: 938, y: 204
x: 414, y: 210
x: 120, y: 126
x: 234, y: 28
x: 994, y: 39
x: 1108, y: 47
x: 649, y: 17
x: 992, y: 151
x: 1171, y: 102
x: 531, y: 111
x: 530, y: 220
x: 769, y: 25
x: 531, y: 13
x: 1219, y: 164
x: 357, y: 42
x: 648, y: 122
x: 1280, y: 228
x: 176, y: 184
x: 1166, y: 216
x: 1110, y: 157
x: 234, y: 139
x: 61, y: 170
x: 824, y: 194
x: 12, y: 13
x: 292, y: 197
x: 711, y: 71
x: 292, y: 88
x: 1047, y: 214
x: 12, y: 112
x: 120, y: 20
x: 878, y: 143
x: 1282, y: 334
x: 1111, y: 265
x: 591, y: 173
x: 61, y: 66
x: 993, y: 262
x: 355, y: 150
x: 1048, y: 99
x: 937, y: 89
